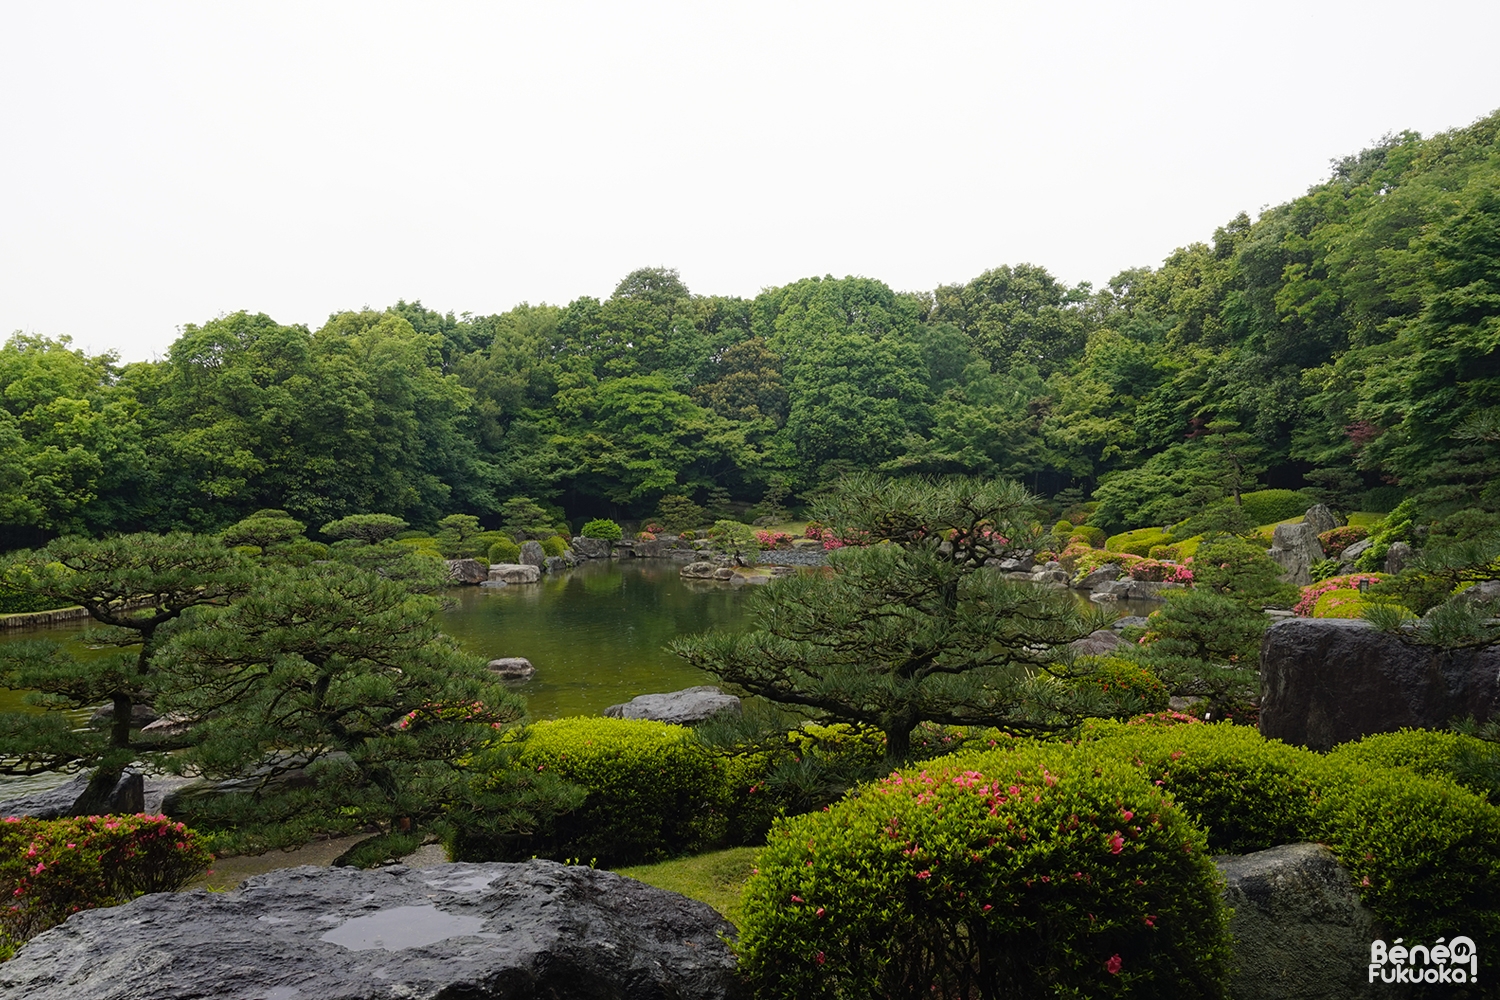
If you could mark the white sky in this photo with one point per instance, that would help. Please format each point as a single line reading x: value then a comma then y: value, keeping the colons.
x: 165, y: 163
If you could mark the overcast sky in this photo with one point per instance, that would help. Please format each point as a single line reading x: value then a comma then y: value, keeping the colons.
x: 166, y: 163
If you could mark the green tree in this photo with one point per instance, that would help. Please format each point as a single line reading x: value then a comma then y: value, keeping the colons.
x: 736, y: 540
x: 679, y: 513
x: 1206, y: 644
x: 264, y: 529
x: 911, y: 628
x: 368, y: 528
x: 138, y: 587
x: 1239, y: 569
x: 458, y: 536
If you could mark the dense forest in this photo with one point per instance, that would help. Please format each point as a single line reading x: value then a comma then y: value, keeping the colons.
x: 1344, y: 343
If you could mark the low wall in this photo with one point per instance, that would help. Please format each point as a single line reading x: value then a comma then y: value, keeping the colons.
x: 30, y: 619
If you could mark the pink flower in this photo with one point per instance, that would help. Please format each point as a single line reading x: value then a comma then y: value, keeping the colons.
x: 924, y: 874
x: 796, y: 898
x: 819, y: 913
x: 1127, y: 814
x: 1116, y: 843
x: 820, y: 958
x: 1113, y: 965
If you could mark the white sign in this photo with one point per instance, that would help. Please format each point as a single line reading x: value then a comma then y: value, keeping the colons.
x: 1455, y: 961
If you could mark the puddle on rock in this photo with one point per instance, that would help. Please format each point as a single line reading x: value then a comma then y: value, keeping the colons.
x: 401, y: 927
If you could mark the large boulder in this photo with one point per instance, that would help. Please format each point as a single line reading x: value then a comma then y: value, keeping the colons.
x: 536, y: 929
x: 1100, y: 643
x: 1295, y: 547
x: 532, y: 554
x: 701, y: 570
x: 467, y: 571
x: 1353, y: 552
x: 1321, y: 518
x: 682, y: 708
x: 140, y: 715
x: 1300, y: 931
x: 514, y: 573
x: 512, y: 668
x: 128, y: 796
x: 1108, y: 573
x: 590, y: 548
x: 1325, y: 681
x: 1397, y: 557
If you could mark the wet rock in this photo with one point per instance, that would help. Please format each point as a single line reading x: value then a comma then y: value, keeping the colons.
x: 723, y: 573
x: 1130, y: 621
x: 1300, y: 931
x: 1353, y: 552
x: 590, y: 548
x: 1185, y: 702
x: 1321, y: 518
x: 532, y: 554
x: 554, y: 564
x: 682, y: 708
x: 1098, y: 643
x: 1051, y: 577
x: 702, y: 570
x: 140, y: 715
x: 128, y: 796
x: 1126, y: 589
x: 515, y: 573
x: 536, y: 929
x: 1295, y: 547
x: 467, y: 571
x: 512, y: 668
x: 1108, y: 573
x: 1325, y: 681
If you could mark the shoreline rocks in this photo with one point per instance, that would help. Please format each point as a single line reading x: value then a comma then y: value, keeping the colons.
x: 516, y: 669
x: 682, y: 708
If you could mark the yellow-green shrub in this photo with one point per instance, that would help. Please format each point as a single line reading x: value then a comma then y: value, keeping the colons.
x: 1065, y: 871
x: 1136, y: 689
x: 504, y: 552
x: 1340, y: 604
x: 1090, y: 535
x: 1138, y: 542
x: 553, y: 545
x: 653, y: 792
x: 1432, y: 753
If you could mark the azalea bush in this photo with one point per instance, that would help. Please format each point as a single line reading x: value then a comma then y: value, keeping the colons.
x: 1135, y: 689
x: 51, y: 869
x: 1308, y: 601
x: 1031, y: 871
x: 773, y: 539
x: 1336, y: 540
x: 1159, y: 572
x: 1340, y: 604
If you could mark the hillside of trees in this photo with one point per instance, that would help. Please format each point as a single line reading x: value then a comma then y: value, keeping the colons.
x: 1345, y: 343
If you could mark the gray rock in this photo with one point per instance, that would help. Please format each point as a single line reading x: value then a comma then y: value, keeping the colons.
x: 1126, y: 589
x: 1326, y: 681
x: 467, y: 571
x: 1051, y: 577
x: 1353, y: 552
x: 570, y: 558
x: 140, y: 715
x: 806, y: 543
x: 702, y: 570
x: 683, y: 707
x: 1397, y: 557
x: 1295, y: 547
x: 1300, y: 931
x: 1486, y: 592
x: 1185, y: 702
x: 536, y: 929
x: 1321, y: 518
x: 1096, y: 643
x: 1130, y: 621
x: 532, y: 554
x: 554, y: 564
x: 170, y: 725
x: 723, y: 573
x: 512, y: 668
x: 514, y: 573
x: 128, y: 796
x: 590, y: 548
x: 1108, y: 573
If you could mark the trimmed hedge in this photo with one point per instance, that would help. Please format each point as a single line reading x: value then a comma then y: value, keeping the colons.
x: 1137, y: 689
x: 653, y: 792
x: 553, y: 545
x: 1341, y: 603
x: 1432, y: 753
x: 51, y: 869
x: 1044, y: 871
x: 504, y: 552
x: 1271, y: 506
x: 1138, y: 542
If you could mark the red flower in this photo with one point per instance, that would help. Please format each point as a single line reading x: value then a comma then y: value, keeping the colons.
x: 1113, y: 965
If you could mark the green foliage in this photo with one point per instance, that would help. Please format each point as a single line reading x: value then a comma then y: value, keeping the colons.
x: 905, y: 629
x: 1324, y: 569
x: 604, y: 529
x: 16, y: 601
x: 1397, y: 527
x: 1206, y: 644
x: 1036, y: 872
x: 524, y: 518
x: 51, y: 869
x: 368, y: 528
x: 1247, y: 793
x: 372, y: 852
x: 1427, y: 752
x: 1135, y: 689
x: 1138, y: 542
x: 504, y: 552
x: 653, y: 792
x: 736, y: 540
x: 1240, y: 569
x: 264, y: 529
x: 1271, y: 506
x: 716, y: 878
x: 1342, y: 603
x: 679, y: 513
x: 552, y: 545
x: 1095, y: 537
x: 459, y: 537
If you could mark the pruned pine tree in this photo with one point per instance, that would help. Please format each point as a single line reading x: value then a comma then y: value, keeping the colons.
x: 908, y: 626
x: 138, y: 587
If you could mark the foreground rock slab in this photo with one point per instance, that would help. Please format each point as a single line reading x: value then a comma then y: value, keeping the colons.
x: 682, y: 708
x: 476, y: 931
x: 1325, y: 681
x: 1300, y: 931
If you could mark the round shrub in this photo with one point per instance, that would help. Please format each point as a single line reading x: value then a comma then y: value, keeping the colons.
x: 1340, y: 603
x: 1270, y: 506
x: 1424, y: 851
x: 653, y: 792
x: 553, y: 545
x: 1248, y: 793
x: 603, y: 528
x: 1030, y: 873
x: 504, y: 552
x: 1308, y: 601
x: 1138, y: 542
x: 1090, y: 535
x: 1432, y: 753
x: 1136, y: 689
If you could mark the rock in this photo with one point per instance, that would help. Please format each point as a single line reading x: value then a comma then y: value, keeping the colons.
x: 570, y: 558
x: 532, y: 554
x: 806, y: 543
x: 1017, y: 575
x: 1353, y: 552
x: 1486, y: 592
x: 536, y: 929
x: 1397, y: 556
x: 682, y: 708
x: 1107, y: 573
x: 1185, y: 702
x: 590, y: 548
x: 1300, y: 931
x: 1096, y: 643
x: 1326, y: 681
x: 140, y: 716
x: 1017, y: 565
x: 1296, y: 548
x: 169, y: 725
x: 701, y: 570
x: 512, y: 668
x: 783, y: 571
x: 723, y: 573
x: 1130, y: 621
x: 554, y: 564
x: 515, y: 573
x: 128, y: 796
x: 1051, y: 577
x: 1321, y: 518
x: 467, y: 571
x: 1126, y: 589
